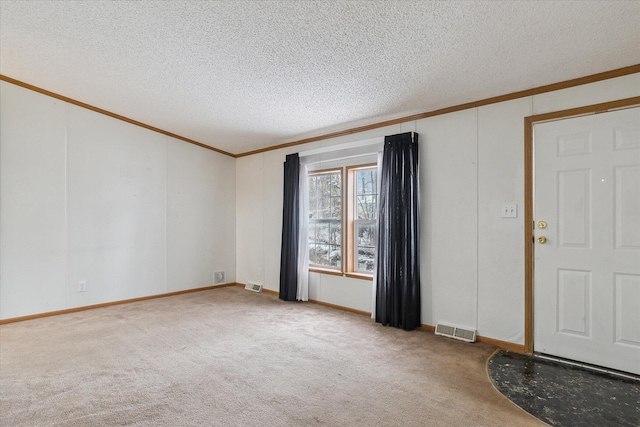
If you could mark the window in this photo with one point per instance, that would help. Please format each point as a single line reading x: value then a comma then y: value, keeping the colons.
x: 365, y: 212
x: 327, y: 219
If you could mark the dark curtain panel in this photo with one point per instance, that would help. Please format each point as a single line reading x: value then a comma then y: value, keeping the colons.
x: 290, y: 229
x: 398, y: 256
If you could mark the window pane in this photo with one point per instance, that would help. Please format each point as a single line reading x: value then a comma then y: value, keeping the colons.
x: 336, y: 256
x: 366, y: 181
x: 336, y: 207
x: 366, y: 207
x: 325, y: 219
x: 365, y: 211
x: 324, y: 207
x: 366, y: 200
x: 365, y: 245
x: 322, y: 253
x: 336, y: 233
x: 312, y: 232
x: 322, y: 232
x: 366, y: 260
x: 312, y: 187
x: 313, y: 254
x: 366, y: 234
x: 313, y: 207
x: 336, y: 184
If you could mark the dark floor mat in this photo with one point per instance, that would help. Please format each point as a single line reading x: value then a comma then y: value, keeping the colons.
x: 564, y: 395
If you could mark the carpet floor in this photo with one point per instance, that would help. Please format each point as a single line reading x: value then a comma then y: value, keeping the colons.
x: 229, y: 357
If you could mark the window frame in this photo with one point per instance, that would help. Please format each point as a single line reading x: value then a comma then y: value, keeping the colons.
x: 348, y: 264
x: 338, y: 271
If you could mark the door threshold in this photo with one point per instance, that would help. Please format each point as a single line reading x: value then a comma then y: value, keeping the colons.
x: 588, y: 367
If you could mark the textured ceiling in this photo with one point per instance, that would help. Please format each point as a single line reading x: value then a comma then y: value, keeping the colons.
x: 244, y: 75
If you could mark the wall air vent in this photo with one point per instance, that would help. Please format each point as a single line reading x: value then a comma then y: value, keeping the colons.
x: 468, y: 335
x: 254, y: 287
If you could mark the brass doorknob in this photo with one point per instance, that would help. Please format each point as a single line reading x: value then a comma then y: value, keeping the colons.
x: 542, y: 240
x: 542, y: 224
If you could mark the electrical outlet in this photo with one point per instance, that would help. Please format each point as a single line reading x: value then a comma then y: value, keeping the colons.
x: 82, y: 286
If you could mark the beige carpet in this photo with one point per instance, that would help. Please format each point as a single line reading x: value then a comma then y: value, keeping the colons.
x: 230, y: 357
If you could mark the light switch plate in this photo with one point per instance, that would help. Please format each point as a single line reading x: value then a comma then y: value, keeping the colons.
x: 509, y: 210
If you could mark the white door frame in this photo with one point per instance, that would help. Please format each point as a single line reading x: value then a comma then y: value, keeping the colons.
x: 528, y: 196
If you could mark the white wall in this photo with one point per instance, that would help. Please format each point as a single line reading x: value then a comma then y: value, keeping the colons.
x: 448, y: 200
x: 135, y: 213
x: 472, y: 260
x: 500, y: 240
x: 87, y: 197
x: 201, y: 216
x: 32, y: 203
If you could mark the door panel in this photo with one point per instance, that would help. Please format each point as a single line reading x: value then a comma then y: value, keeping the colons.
x: 627, y: 208
x: 587, y: 272
x: 627, y: 313
x: 574, y: 208
x: 574, y: 305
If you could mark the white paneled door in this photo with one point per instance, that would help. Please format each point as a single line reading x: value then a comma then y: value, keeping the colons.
x: 587, y: 239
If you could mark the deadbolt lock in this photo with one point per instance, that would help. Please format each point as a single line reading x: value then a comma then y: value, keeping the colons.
x: 542, y: 240
x: 542, y: 224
